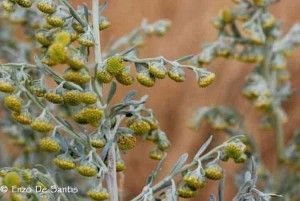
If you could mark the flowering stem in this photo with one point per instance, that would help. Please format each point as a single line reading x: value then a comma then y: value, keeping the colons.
x: 164, y: 183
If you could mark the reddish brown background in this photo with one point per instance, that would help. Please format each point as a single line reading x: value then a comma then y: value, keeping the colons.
x: 174, y: 103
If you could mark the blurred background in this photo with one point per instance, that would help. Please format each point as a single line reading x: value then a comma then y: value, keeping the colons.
x: 175, y: 103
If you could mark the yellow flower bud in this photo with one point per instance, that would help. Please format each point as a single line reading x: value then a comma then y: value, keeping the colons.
x: 13, y: 103
x: 139, y: 126
x: 115, y: 65
x: 17, y: 197
x: 86, y: 39
x: 126, y: 141
x: 88, y: 170
x: 176, y: 74
x: 234, y: 150
x: 186, y: 192
x: 145, y: 79
x: 120, y: 166
x: 77, y: 77
x: 124, y: 78
x: 89, y: 115
x: 49, y: 144
x: 22, y: 118
x: 63, y: 38
x: 24, y: 3
x: 158, y: 72
x: 214, y: 172
x: 72, y: 97
x: 104, y: 76
x: 98, y: 142
x: 58, y: 53
x: 41, y: 126
x: 55, y: 20
x: 157, y: 154
x: 194, y: 181
x: 6, y: 87
x: 12, y: 179
x: 98, y: 195
x: 8, y: 6
x: 54, y: 98
x: 226, y: 15
x: 42, y: 38
x: 206, y: 79
x: 88, y: 98
x: 46, y: 6
x: 64, y: 162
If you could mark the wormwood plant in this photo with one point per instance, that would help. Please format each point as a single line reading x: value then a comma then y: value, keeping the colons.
x: 73, y: 128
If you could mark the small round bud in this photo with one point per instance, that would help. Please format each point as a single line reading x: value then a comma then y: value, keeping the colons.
x: 62, y: 37
x: 98, y: 142
x: 76, y: 61
x: 145, y: 79
x: 72, y: 97
x: 43, y: 38
x: 214, y: 172
x: 78, y: 77
x: 194, y: 180
x: 24, y: 3
x: 88, y: 98
x: 206, y: 79
x: 157, y: 154
x: 22, y: 118
x: 115, y: 65
x: 104, y: 76
x: 46, y: 6
x: 8, y: 6
x: 12, y: 179
x: 54, y: 98
x: 77, y: 26
x: 186, y: 192
x: 6, y: 87
x: 226, y: 15
x: 124, y: 78
x: 98, y: 195
x: 13, y: 103
x: 89, y: 115
x: 234, y: 150
x: 104, y: 24
x: 139, y: 126
x: 17, y: 197
x: 87, y: 169
x: 41, y: 126
x: 157, y: 71
x: 49, y: 144
x: 120, y: 166
x: 55, y: 20
x: 57, y: 52
x: 176, y: 74
x: 126, y: 141
x: 64, y: 162
x: 87, y: 39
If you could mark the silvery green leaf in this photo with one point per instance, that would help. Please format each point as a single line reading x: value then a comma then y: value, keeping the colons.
x: 179, y: 164
x: 129, y: 97
x: 203, y: 148
x: 112, y: 91
x: 155, y: 172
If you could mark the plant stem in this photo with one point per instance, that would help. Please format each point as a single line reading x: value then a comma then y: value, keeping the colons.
x: 165, y: 182
x: 111, y: 179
